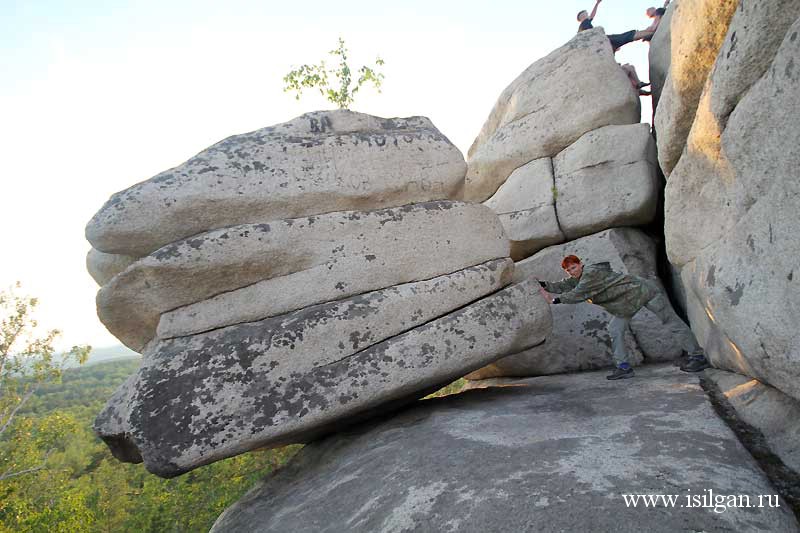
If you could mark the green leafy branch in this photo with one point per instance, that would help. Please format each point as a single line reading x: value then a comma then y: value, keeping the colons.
x: 319, y: 77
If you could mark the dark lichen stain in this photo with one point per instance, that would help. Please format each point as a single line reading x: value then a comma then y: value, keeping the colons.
x: 710, y: 277
x: 735, y: 294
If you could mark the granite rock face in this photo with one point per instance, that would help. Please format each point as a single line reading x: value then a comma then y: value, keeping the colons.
x: 548, y: 107
x: 774, y: 414
x: 102, y: 266
x: 660, y: 54
x: 697, y: 28
x: 548, y: 454
x: 252, y: 271
x: 317, y: 163
x: 293, y: 378
x: 525, y: 204
x: 580, y: 340
x: 731, y: 206
x: 606, y: 179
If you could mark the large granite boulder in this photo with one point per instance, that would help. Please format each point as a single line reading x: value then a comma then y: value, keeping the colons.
x: 293, y: 378
x: 317, y: 163
x: 580, y: 340
x: 738, y: 182
x: 548, y: 454
x: 697, y: 29
x: 526, y: 205
x: 253, y: 271
x: 606, y: 179
x: 575, y: 89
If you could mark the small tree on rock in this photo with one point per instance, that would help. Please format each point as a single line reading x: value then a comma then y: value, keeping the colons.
x: 320, y: 77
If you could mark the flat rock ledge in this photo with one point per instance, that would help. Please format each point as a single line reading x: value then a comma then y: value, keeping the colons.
x: 548, y: 454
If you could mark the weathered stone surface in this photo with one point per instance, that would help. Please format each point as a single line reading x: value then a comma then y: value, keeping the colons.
x: 525, y: 204
x: 102, y: 266
x: 698, y: 28
x: 317, y: 163
x: 607, y: 179
x: 548, y: 107
x: 738, y: 182
x: 316, y: 259
x: 292, y: 378
x: 774, y: 414
x: 756, y: 31
x: 551, y: 454
x: 659, y: 55
x: 579, y: 340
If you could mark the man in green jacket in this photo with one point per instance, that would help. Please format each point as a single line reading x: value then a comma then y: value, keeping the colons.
x: 623, y: 296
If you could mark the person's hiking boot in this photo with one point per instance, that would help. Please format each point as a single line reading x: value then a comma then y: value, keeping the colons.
x: 621, y: 373
x: 696, y: 364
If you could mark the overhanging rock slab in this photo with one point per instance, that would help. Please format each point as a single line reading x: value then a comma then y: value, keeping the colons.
x: 289, y: 379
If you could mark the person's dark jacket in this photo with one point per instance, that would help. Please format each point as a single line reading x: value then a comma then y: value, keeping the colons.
x: 619, y: 294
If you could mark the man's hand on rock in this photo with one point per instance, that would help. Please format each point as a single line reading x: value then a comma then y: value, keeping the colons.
x: 546, y: 295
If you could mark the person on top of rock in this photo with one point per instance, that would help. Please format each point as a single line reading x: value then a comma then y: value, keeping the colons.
x: 654, y: 13
x: 622, y: 295
x: 616, y: 39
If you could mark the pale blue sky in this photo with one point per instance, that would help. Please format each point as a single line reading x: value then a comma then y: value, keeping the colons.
x: 96, y: 96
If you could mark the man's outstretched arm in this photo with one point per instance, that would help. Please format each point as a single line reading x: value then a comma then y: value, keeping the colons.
x: 594, y: 11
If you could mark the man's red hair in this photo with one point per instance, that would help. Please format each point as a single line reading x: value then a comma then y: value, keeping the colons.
x: 570, y: 260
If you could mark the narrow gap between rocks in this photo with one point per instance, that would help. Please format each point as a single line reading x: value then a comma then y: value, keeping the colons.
x: 785, y: 480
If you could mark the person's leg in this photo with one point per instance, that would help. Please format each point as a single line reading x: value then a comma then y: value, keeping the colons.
x: 660, y: 307
x: 619, y: 39
x: 617, y: 328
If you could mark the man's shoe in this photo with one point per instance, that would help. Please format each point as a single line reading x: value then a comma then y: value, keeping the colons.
x: 696, y: 364
x: 620, y: 373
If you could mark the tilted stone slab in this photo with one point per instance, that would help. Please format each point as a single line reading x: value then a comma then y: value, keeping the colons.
x: 525, y: 204
x: 293, y: 378
x: 697, y: 28
x: 317, y: 163
x: 740, y: 186
x: 102, y: 266
x: 608, y: 178
x: 580, y: 339
x: 575, y: 89
x: 550, y: 454
x: 323, y: 258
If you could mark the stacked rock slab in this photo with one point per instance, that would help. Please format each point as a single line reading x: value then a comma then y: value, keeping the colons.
x: 575, y: 89
x: 317, y: 163
x: 607, y: 178
x: 295, y: 377
x: 252, y: 271
x: 280, y: 316
x: 732, y: 201
x: 580, y: 340
x: 559, y: 159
